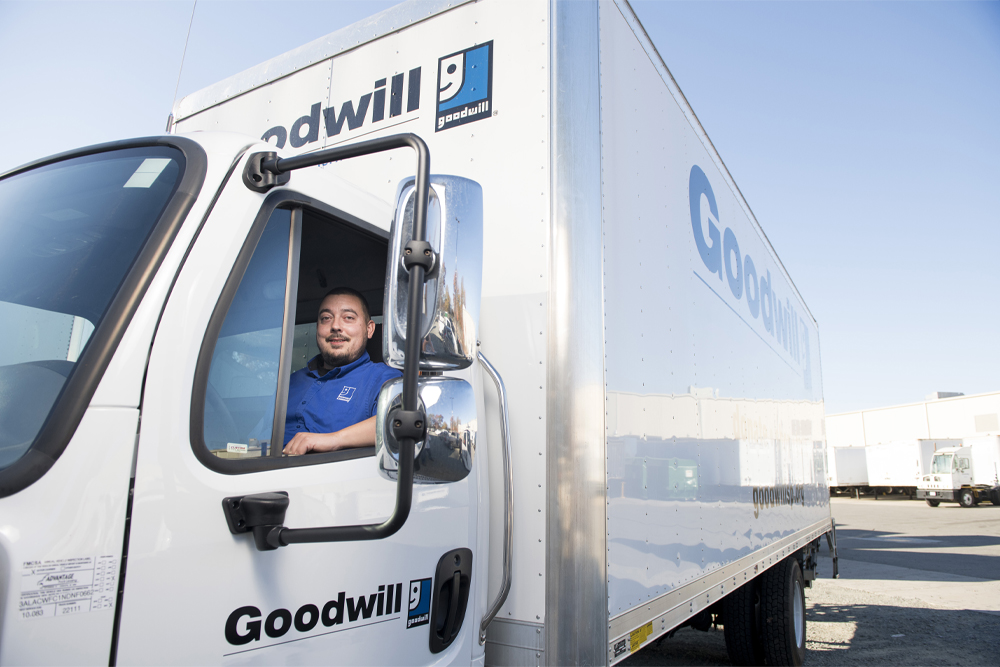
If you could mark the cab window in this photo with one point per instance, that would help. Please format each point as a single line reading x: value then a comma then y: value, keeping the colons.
x: 299, y: 255
x: 70, y: 232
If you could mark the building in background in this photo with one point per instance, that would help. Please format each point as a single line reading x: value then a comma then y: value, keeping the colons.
x: 942, y: 415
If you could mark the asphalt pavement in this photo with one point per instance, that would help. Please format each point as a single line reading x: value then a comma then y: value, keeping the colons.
x: 947, y: 539
x: 918, y: 585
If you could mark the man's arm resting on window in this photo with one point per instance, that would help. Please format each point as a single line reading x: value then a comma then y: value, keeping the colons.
x: 361, y: 434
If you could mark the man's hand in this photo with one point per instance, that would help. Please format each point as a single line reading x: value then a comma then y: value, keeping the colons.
x: 303, y: 443
x: 361, y: 434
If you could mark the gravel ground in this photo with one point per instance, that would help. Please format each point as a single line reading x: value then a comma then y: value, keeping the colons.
x: 850, y: 627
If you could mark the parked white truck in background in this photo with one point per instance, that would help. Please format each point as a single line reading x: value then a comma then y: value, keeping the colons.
x: 847, y: 469
x: 897, y: 467
x: 968, y: 475
x: 644, y: 448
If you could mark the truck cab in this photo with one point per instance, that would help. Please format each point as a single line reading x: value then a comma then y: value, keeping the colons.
x: 952, y: 478
x: 155, y: 303
x: 949, y: 472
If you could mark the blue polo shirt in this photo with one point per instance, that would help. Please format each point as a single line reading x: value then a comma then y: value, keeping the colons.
x: 342, y: 397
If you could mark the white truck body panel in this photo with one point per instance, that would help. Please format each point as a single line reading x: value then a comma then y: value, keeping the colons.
x: 663, y: 372
x: 902, y: 463
x: 985, y: 459
x: 171, y: 531
x: 847, y: 466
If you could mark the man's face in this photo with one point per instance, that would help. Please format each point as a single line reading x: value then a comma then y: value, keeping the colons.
x: 342, y: 331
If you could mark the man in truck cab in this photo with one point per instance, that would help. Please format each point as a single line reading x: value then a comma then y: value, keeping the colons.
x: 333, y: 400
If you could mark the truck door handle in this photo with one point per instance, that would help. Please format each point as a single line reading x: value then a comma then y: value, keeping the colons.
x: 508, y: 500
x: 452, y: 582
x: 456, y: 586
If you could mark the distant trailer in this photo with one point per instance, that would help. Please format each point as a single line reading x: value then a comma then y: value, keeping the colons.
x: 847, y: 469
x: 897, y: 467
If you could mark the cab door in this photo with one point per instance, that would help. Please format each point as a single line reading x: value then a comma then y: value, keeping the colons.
x: 197, y: 592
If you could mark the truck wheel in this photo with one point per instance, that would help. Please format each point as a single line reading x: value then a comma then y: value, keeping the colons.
x: 740, y: 621
x: 783, y: 614
x: 933, y: 503
x: 966, y: 498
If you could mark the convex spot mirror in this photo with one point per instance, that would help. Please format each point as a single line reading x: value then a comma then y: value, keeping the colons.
x: 450, y: 317
x: 447, y: 450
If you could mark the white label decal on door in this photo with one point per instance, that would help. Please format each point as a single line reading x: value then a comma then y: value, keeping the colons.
x: 67, y: 586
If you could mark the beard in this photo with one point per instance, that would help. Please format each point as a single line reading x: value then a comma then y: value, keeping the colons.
x: 335, y: 359
x: 342, y: 357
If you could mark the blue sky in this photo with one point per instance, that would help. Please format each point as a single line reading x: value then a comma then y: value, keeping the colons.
x: 864, y: 136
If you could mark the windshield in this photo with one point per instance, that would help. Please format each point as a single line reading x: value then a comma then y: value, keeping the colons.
x: 69, y: 232
x: 941, y: 464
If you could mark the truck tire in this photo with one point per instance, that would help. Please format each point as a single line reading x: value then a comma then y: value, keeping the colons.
x: 783, y: 614
x: 966, y: 498
x: 740, y: 622
x: 933, y: 503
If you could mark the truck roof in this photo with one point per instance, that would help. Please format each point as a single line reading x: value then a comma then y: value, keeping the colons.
x: 343, y: 40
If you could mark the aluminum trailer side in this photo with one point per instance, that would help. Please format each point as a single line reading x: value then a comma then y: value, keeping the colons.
x: 715, y: 457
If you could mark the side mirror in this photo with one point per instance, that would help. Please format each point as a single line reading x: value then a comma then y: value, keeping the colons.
x: 449, y: 445
x: 450, y: 318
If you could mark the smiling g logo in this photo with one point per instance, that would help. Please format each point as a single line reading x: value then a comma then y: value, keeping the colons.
x: 465, y: 86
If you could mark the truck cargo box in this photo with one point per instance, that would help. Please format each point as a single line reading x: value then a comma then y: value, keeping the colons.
x: 618, y: 305
x: 985, y: 459
x: 847, y: 467
x: 900, y: 465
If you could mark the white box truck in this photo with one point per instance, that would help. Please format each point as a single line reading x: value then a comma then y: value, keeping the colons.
x: 967, y: 474
x: 609, y: 422
x: 897, y: 467
x: 847, y: 469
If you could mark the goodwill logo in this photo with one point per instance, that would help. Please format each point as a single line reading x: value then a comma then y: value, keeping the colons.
x: 756, y: 295
x: 318, y: 618
x: 420, y: 603
x: 465, y: 87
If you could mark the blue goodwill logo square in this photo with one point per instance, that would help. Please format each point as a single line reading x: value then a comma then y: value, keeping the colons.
x: 465, y: 87
x: 346, y: 394
x: 420, y: 603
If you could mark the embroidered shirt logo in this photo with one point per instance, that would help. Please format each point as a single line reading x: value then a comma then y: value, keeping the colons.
x: 346, y: 394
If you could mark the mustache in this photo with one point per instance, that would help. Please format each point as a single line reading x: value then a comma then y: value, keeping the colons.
x: 333, y: 339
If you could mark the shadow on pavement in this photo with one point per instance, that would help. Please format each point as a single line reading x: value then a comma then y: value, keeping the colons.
x: 922, y: 552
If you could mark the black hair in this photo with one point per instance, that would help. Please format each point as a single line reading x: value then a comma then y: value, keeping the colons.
x: 350, y: 291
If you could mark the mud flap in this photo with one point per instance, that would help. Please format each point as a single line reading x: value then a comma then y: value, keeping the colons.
x: 831, y: 541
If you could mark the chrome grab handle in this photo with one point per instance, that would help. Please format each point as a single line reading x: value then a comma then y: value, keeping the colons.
x: 508, y: 498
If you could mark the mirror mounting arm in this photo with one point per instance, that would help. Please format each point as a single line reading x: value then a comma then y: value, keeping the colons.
x: 408, y: 424
x: 269, y: 164
x: 419, y: 253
